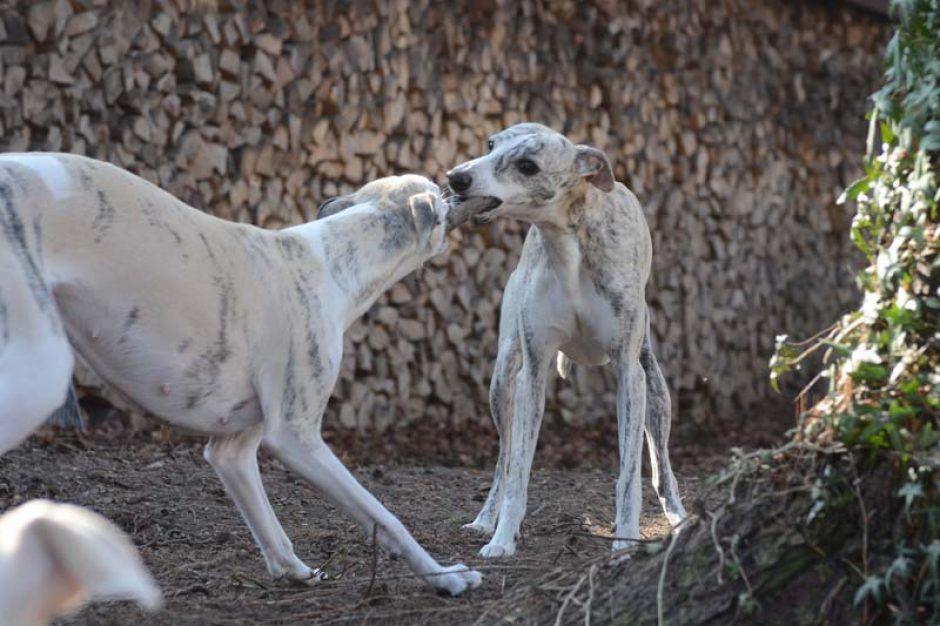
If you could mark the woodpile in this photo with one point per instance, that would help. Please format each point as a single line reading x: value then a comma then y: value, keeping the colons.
x: 737, y: 122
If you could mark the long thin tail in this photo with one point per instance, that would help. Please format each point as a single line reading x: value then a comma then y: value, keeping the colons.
x: 563, y: 365
x: 69, y: 415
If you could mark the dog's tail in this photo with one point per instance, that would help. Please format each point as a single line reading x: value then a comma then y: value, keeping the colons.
x: 69, y: 415
x: 563, y: 364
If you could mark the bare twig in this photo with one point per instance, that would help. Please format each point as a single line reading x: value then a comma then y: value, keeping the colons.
x: 375, y: 558
x: 737, y: 560
x: 590, y: 598
x: 662, y: 580
x: 718, y: 548
x: 827, y: 603
x: 856, y: 481
x: 567, y: 600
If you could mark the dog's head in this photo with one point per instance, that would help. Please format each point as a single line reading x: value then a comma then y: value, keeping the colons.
x: 410, y: 206
x: 530, y: 173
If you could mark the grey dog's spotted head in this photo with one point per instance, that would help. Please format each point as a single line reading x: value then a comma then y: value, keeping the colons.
x: 529, y: 170
x: 410, y: 208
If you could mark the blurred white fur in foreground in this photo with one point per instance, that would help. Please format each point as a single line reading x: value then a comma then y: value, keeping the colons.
x: 54, y: 558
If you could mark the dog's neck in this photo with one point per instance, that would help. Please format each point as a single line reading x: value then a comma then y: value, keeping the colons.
x: 561, y: 231
x: 365, y: 252
x: 563, y: 219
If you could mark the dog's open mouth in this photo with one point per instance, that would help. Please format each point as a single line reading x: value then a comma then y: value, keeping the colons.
x: 479, y: 209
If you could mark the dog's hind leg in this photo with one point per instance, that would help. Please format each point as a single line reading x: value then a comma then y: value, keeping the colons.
x: 501, y: 394
x: 235, y: 460
x: 631, y: 412
x: 35, y: 356
x: 658, y: 424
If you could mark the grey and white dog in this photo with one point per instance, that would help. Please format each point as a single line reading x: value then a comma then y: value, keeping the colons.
x: 223, y: 328
x: 578, y: 293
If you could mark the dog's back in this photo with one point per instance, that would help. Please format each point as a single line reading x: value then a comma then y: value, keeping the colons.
x: 94, y: 256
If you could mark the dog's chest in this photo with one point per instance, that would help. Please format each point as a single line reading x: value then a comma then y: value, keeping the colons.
x: 591, y: 327
x: 582, y: 314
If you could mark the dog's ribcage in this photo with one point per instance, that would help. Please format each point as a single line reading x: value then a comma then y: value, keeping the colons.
x: 150, y: 290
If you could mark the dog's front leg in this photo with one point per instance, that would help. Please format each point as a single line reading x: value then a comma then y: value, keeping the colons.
x: 631, y: 413
x: 235, y: 460
x: 305, y: 452
x: 293, y: 406
x: 501, y: 398
x: 527, y: 410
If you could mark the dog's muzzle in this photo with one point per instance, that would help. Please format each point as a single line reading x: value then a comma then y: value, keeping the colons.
x: 479, y: 209
x: 464, y: 207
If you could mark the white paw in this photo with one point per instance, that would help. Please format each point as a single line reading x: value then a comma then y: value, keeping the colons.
x: 304, y: 577
x: 677, y: 523
x: 627, y: 546
x: 494, y: 550
x: 456, y: 579
x: 676, y: 518
x: 480, y: 527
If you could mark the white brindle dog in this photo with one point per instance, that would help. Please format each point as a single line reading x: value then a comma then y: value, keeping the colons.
x: 577, y: 293
x: 224, y: 328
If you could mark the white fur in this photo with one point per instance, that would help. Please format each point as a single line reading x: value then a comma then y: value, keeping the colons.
x: 224, y: 328
x: 51, y: 171
x: 576, y: 295
x: 54, y: 558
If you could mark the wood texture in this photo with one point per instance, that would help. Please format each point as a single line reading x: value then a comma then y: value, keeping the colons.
x: 737, y: 122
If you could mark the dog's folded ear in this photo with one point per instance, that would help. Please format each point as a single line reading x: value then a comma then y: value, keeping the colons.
x: 423, y: 213
x: 594, y: 165
x: 73, y: 556
x: 334, y: 206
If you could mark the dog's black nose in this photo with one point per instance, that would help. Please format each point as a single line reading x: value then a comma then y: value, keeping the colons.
x: 459, y: 181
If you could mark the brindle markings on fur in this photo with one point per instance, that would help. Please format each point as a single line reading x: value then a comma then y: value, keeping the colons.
x: 289, y: 397
x: 396, y: 232
x: 132, y: 316
x: 256, y: 358
x: 104, y: 217
x: 290, y: 249
x: 298, y: 258
x: 4, y: 323
x: 587, y: 231
x: 241, y: 405
x: 205, y: 371
x: 15, y: 235
x: 148, y: 209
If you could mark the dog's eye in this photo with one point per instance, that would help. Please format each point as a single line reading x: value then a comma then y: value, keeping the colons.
x: 490, y: 144
x: 527, y: 167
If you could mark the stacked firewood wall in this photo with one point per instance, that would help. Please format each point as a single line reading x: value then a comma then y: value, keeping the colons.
x: 737, y: 122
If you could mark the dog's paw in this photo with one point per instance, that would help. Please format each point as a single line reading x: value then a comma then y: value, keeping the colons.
x: 625, y: 548
x: 456, y: 579
x: 480, y: 528
x: 676, y: 519
x: 304, y: 578
x: 494, y: 550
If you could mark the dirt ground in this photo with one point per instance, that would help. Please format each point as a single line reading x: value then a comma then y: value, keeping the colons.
x: 160, y: 490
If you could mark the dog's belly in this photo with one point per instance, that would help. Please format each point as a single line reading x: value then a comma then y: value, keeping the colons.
x: 162, y: 363
x: 585, y: 351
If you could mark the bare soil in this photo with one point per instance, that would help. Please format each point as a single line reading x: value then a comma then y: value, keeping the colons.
x: 159, y: 489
